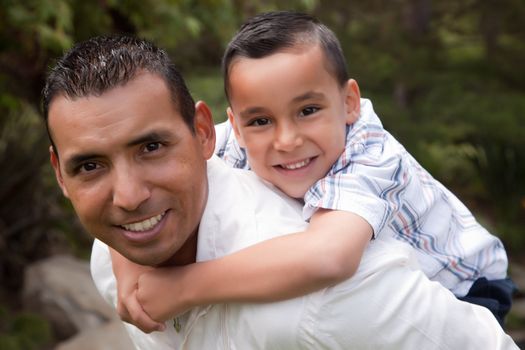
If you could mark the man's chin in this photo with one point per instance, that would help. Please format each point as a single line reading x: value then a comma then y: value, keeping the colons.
x: 146, y: 259
x: 155, y: 262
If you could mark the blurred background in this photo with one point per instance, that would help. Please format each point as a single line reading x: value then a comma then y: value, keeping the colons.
x: 446, y: 77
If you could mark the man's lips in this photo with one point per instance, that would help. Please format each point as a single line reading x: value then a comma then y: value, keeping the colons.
x: 143, y: 231
x: 144, y: 225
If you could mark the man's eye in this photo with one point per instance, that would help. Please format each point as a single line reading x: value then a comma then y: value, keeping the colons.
x: 87, y: 167
x: 152, y: 146
x: 259, y: 122
x: 309, y: 110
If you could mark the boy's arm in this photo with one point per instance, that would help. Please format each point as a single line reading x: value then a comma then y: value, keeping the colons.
x: 328, y: 252
x: 127, y: 274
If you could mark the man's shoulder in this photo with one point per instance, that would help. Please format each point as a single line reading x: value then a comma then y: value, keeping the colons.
x: 242, y: 210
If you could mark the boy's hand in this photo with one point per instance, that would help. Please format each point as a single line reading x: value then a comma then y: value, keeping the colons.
x: 160, y: 292
x: 131, y: 311
x: 128, y: 307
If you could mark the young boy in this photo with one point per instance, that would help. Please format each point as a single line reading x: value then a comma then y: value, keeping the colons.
x: 297, y: 120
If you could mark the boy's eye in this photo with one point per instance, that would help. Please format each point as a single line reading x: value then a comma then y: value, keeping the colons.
x: 309, y: 110
x: 259, y: 122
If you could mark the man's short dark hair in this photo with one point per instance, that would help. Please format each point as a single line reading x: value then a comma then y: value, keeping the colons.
x: 99, y: 64
x: 271, y: 32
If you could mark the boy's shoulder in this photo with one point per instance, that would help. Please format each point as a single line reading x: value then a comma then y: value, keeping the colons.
x: 368, y: 119
x: 227, y: 147
x: 367, y: 131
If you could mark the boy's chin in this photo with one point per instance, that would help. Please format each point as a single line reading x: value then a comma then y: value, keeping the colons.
x: 295, y: 193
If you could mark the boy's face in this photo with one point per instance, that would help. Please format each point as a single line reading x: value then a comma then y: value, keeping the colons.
x: 132, y: 169
x: 290, y: 113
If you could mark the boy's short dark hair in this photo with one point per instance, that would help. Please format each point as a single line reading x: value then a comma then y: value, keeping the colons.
x: 270, y: 32
x: 99, y: 64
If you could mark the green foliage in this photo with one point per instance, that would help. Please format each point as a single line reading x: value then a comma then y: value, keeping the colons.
x: 206, y: 85
x: 23, y: 331
x: 47, y: 21
x: 26, y: 204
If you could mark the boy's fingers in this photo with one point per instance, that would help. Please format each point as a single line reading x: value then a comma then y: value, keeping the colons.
x: 141, y: 319
x: 123, y: 313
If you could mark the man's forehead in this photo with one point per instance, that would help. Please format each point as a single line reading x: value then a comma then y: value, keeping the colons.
x: 119, y: 117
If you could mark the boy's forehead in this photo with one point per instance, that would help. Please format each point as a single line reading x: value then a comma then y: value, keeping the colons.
x: 283, y: 65
x: 314, y: 50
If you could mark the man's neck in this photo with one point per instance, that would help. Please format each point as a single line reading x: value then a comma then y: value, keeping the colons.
x: 186, y: 254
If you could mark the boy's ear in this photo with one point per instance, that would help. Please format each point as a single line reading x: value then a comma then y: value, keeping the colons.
x: 352, y: 101
x: 235, y: 127
x: 53, y: 157
x: 204, y: 128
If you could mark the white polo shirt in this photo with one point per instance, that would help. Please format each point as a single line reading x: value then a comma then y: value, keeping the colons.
x: 388, y: 304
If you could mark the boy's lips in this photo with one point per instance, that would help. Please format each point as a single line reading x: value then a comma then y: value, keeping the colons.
x: 295, y: 165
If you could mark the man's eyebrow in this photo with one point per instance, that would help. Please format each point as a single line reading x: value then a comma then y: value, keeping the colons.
x: 151, y: 136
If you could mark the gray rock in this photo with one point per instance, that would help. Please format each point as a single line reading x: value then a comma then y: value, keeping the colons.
x: 61, y: 289
x: 111, y: 336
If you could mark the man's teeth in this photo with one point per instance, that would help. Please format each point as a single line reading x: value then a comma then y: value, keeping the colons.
x: 293, y: 166
x: 144, y: 225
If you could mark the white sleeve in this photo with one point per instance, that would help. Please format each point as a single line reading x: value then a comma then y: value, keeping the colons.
x: 102, y: 273
x: 389, y: 304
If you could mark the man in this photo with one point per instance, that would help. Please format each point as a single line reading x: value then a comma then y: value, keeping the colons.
x: 135, y: 157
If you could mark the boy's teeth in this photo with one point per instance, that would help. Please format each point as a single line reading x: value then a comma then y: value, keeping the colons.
x: 144, y: 225
x: 293, y: 166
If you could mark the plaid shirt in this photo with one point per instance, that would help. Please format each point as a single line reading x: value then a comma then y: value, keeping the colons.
x: 377, y: 179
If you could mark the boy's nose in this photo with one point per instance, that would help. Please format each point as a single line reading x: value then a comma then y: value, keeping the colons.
x: 129, y: 190
x: 287, y: 138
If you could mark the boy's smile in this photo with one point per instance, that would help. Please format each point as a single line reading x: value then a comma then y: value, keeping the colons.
x: 289, y: 112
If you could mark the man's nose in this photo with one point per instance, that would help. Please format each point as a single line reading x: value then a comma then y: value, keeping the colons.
x: 129, y: 190
x: 287, y: 137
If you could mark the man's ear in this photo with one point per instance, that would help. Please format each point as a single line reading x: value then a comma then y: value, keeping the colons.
x: 352, y: 101
x: 235, y: 127
x: 204, y: 128
x: 53, y: 157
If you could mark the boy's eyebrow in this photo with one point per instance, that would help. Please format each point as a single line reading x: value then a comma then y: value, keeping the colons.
x: 250, y: 111
x: 308, y: 95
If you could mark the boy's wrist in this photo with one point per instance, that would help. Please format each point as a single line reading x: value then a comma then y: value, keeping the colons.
x: 187, y: 289
x: 199, y: 285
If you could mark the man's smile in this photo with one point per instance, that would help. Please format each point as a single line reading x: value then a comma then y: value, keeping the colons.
x: 144, y: 225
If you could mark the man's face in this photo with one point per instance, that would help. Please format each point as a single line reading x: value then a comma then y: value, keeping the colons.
x: 290, y: 114
x: 133, y: 170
